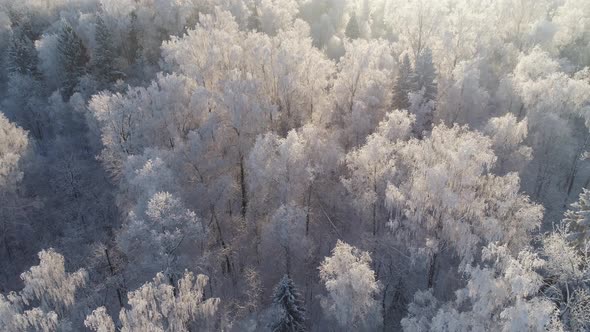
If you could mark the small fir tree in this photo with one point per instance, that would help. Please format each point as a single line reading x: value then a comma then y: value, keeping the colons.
x: 352, y: 28
x: 291, y: 313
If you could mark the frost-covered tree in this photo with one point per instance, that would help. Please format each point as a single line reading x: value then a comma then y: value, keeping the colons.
x: 284, y: 170
x: 463, y: 31
x: 302, y: 82
x: 416, y: 22
x: 159, y: 306
x: 100, y: 321
x: 289, y: 310
x: 567, y: 267
x: 50, y: 285
x: 47, y: 300
x: 500, y: 296
x: 163, y: 237
x: 466, y: 99
x: 508, y: 136
x: 242, y: 111
x: 352, y: 289
x: 276, y: 15
x: 451, y: 199
x: 193, y: 54
x: 555, y: 104
x: 571, y: 35
x: 286, y: 233
x: 13, y: 146
x: 127, y: 121
x: 373, y: 166
x: 287, y: 71
x: 362, y: 89
x: 577, y: 219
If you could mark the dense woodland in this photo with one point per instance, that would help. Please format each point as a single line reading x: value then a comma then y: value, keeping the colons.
x: 294, y: 165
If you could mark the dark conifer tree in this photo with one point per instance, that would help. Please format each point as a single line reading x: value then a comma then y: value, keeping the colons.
x: 405, y: 83
x: 426, y: 74
x: 290, y: 310
x: 352, y: 28
x: 254, y: 20
x: 22, y: 55
x: 103, y: 61
x: 72, y: 57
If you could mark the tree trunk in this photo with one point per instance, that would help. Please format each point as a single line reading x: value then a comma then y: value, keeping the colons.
x: 223, y: 245
x: 171, y: 280
x: 384, y: 306
x: 112, y: 269
x: 375, y: 204
x: 519, y: 116
x: 308, y: 210
x: 374, y: 219
x: 243, y: 187
x: 287, y: 260
x: 432, y: 270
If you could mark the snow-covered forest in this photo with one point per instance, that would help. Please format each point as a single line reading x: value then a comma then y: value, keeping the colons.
x: 294, y: 165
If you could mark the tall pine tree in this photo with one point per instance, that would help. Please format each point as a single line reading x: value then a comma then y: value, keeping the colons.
x: 291, y: 313
x: 22, y: 55
x: 72, y: 57
x: 405, y: 83
x: 426, y: 87
x: 132, y: 49
x: 104, y: 54
x: 426, y: 74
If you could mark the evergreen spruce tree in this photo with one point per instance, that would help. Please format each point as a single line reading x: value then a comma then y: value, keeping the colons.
x: 72, y: 57
x: 352, y: 28
x: 578, y: 218
x: 426, y: 74
x: 22, y: 55
x: 254, y: 20
x: 104, y: 54
x: 132, y: 48
x: 399, y: 302
x: 425, y: 78
x: 404, y: 84
x: 291, y: 313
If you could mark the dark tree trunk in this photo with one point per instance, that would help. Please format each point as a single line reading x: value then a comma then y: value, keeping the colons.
x: 432, y: 271
x: 307, y: 217
x: 243, y: 188
x: 112, y: 269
